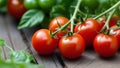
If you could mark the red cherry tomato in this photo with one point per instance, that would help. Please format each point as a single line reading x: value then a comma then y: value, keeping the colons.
x: 105, y: 45
x: 116, y: 32
x: 43, y: 43
x: 72, y: 47
x: 89, y: 29
x: 113, y: 21
x: 54, y: 25
x: 16, y: 8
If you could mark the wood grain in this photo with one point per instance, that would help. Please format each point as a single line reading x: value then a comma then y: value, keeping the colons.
x: 90, y: 59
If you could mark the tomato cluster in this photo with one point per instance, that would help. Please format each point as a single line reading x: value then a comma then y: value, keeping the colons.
x: 72, y: 45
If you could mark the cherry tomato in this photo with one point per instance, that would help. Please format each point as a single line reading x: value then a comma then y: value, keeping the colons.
x: 46, y: 4
x: 116, y: 32
x: 54, y: 25
x: 113, y: 21
x: 89, y: 29
x: 105, y: 45
x: 31, y: 4
x: 16, y: 8
x: 43, y: 43
x: 72, y: 47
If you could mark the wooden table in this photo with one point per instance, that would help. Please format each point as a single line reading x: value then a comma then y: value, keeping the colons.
x: 21, y: 39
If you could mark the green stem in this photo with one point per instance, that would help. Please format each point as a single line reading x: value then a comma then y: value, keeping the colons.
x: 82, y: 13
x: 107, y: 11
x: 108, y: 20
x: 74, y: 15
x: 70, y: 21
x: 61, y: 28
x: 9, y: 47
x: 1, y: 54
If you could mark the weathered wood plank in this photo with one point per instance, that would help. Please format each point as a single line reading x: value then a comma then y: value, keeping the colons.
x: 14, y: 35
x: 11, y: 35
x: 90, y: 59
x: 99, y: 62
x: 3, y: 53
x: 4, y: 35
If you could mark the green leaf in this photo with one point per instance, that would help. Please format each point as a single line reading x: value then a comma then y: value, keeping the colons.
x: 61, y: 9
x: 31, y: 18
x: 67, y: 3
x: 3, y: 10
x: 20, y: 57
x: 118, y: 11
x: 72, y: 7
x: 58, y: 10
x: 4, y: 64
x: 2, y: 42
x: 105, y: 4
x: 59, y: 1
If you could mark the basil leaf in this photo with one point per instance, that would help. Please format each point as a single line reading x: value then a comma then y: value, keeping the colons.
x: 31, y: 18
x: 20, y: 57
x: 2, y: 42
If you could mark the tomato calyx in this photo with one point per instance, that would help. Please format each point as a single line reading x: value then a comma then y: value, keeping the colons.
x: 60, y: 29
x: 70, y: 33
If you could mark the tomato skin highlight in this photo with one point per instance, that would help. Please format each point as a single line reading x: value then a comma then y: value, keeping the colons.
x: 115, y: 33
x: 105, y: 45
x: 72, y: 47
x: 16, y: 8
x: 88, y: 30
x: 43, y: 43
x: 54, y: 25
